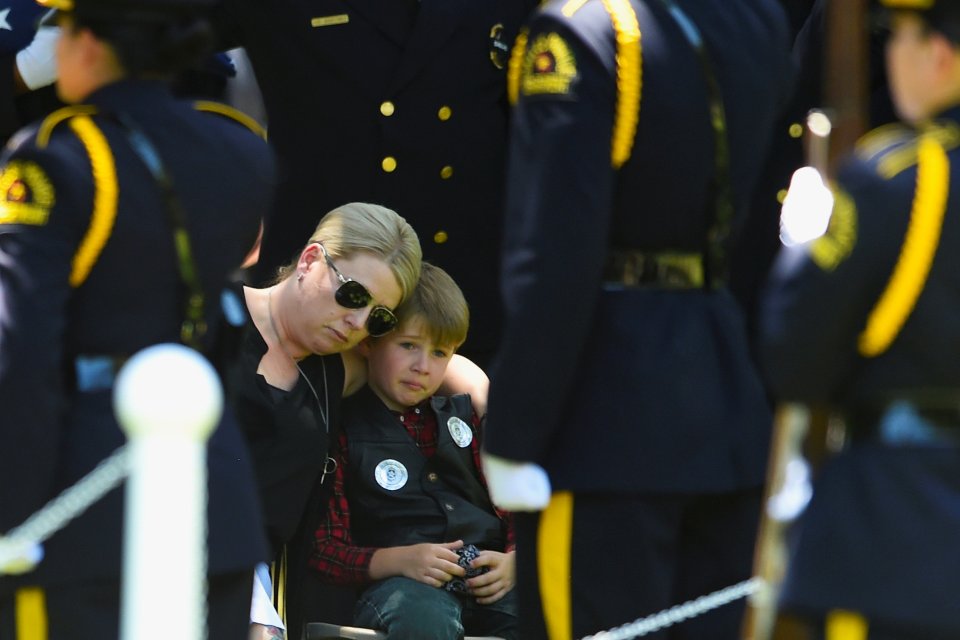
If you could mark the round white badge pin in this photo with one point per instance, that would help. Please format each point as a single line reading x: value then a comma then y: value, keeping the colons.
x: 460, y: 431
x: 390, y: 474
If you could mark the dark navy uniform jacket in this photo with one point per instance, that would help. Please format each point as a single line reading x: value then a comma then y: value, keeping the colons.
x: 52, y: 310
x: 366, y: 103
x: 826, y: 337
x: 625, y: 388
x: 863, y: 317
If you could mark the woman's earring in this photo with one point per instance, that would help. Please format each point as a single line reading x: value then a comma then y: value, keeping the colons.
x: 300, y: 277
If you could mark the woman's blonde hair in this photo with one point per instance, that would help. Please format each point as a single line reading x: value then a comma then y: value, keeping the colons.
x: 369, y: 228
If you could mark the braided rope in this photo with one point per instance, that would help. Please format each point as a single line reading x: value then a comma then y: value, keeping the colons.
x: 57, y: 513
x: 680, y: 612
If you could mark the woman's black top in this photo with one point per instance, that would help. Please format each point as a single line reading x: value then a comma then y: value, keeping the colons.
x: 287, y: 434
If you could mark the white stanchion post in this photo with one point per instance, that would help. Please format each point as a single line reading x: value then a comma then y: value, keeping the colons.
x: 168, y: 399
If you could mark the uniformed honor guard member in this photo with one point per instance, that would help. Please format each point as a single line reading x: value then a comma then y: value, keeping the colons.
x: 396, y: 102
x: 638, y: 135
x: 865, y: 318
x: 121, y: 217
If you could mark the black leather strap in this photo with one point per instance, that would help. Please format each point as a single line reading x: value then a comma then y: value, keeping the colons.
x: 719, y: 232
x: 194, y: 325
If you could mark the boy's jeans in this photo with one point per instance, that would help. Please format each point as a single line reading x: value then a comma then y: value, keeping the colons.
x: 410, y: 610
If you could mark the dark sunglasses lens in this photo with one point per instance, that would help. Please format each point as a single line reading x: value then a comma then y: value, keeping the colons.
x: 381, y: 321
x: 352, y: 295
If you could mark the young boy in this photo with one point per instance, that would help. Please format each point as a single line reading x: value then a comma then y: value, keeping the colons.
x: 410, y: 515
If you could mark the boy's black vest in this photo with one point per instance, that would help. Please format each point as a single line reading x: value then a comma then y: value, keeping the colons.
x: 398, y: 496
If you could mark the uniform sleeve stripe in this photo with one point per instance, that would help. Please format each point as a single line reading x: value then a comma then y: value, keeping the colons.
x: 104, y: 199
x: 916, y: 256
x: 278, y: 574
x: 31, y: 613
x: 845, y: 625
x: 553, y: 565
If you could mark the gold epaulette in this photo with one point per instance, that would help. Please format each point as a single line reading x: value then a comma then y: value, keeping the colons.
x: 883, y: 137
x: 919, y: 248
x: 208, y: 106
x: 60, y: 115
x: 629, y: 62
x: 105, y: 188
x: 946, y: 133
x: 893, y: 148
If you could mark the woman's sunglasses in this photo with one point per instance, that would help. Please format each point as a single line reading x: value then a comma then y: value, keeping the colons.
x: 353, y: 295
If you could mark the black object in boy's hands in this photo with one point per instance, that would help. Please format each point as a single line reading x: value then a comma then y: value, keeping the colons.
x: 467, y: 553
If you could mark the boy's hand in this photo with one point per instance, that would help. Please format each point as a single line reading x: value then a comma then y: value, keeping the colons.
x: 432, y: 564
x: 495, y: 583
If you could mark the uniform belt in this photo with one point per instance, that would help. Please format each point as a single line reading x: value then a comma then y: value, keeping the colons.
x: 654, y: 270
x: 96, y: 372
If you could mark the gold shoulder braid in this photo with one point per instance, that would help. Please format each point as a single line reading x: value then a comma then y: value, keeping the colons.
x: 105, y: 187
x: 916, y: 255
x: 629, y: 78
x: 51, y: 121
x: 513, y: 66
x: 104, y: 198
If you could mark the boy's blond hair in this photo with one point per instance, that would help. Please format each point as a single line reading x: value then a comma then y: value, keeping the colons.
x: 439, y: 303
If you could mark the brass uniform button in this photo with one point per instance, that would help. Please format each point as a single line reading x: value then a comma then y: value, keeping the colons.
x: 446, y: 172
x: 795, y: 130
x: 440, y: 237
x: 432, y: 477
x: 387, y: 108
x: 389, y: 164
x: 444, y: 113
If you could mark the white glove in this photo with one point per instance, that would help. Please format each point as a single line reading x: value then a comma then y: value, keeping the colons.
x: 516, y: 486
x: 37, y: 62
x: 18, y: 556
x: 806, y: 209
